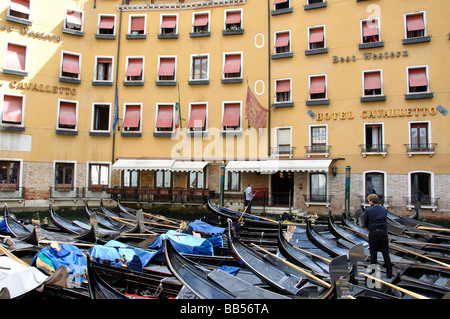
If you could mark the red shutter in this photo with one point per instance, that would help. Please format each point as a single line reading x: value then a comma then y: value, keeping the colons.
x: 283, y: 86
x: 22, y: 6
x: 201, y: 20
x: 315, y: 35
x: 137, y: 23
x: 15, y: 57
x: 106, y: 23
x: 233, y: 17
x: 231, y: 115
x: 317, y: 85
x: 67, y: 113
x: 282, y: 40
x: 169, y: 22
x: 198, y: 116
x: 12, y: 108
x: 71, y: 63
x: 415, y: 22
x: 167, y: 67
x: 232, y: 64
x: 418, y: 77
x: 165, y: 116
x: 132, y: 116
x: 370, y: 28
x: 372, y: 80
x: 134, y: 67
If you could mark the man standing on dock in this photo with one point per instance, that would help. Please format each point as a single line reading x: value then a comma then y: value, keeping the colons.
x: 248, y: 193
x: 375, y: 220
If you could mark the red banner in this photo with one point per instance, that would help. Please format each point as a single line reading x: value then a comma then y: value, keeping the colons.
x: 256, y: 114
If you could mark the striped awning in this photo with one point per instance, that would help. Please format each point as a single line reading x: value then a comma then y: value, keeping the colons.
x: 273, y: 166
x: 159, y: 165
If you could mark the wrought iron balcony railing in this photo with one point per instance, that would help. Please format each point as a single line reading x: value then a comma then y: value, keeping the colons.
x: 318, y: 149
x: 424, y: 200
x: 374, y: 149
x: 421, y: 148
x: 11, y: 192
x: 282, y: 151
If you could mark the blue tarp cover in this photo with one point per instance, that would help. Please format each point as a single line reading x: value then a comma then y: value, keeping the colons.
x: 3, y: 227
x: 115, y: 250
x: 69, y: 256
x: 183, y: 243
x: 201, y: 226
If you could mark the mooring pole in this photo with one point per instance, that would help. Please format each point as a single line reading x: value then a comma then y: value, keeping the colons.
x: 347, y: 190
x: 222, y: 184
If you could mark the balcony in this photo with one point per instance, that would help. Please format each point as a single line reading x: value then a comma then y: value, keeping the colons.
x: 318, y: 200
x: 374, y: 149
x: 420, y: 149
x: 282, y: 151
x: 64, y: 192
x: 426, y: 202
x: 11, y: 192
x: 318, y: 149
x: 384, y: 200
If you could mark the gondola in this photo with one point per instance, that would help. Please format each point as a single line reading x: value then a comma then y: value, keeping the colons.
x: 103, y: 221
x: 211, y: 284
x: 323, y: 243
x: 16, y: 229
x: 160, y: 219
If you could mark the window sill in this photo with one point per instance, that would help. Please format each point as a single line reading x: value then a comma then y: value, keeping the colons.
x: 282, y: 55
x: 15, y: 72
x: 419, y: 96
x: 66, y: 132
x: 131, y: 134
x: 232, y: 81
x: 69, y: 80
x: 317, y: 204
x: 233, y: 32
x: 168, y: 36
x: 18, y: 20
x: 133, y: 83
x: 315, y: 5
x: 12, y: 127
x: 316, y: 51
x: 364, y: 154
x: 231, y: 132
x: 281, y: 11
x: 199, y: 34
x: 73, y: 32
x: 163, y: 134
x: 371, y: 45
x: 104, y: 134
x: 102, y: 83
x: 431, y: 153
x: 105, y: 36
x: 318, y: 102
x: 197, y: 134
x: 283, y: 104
x: 136, y: 36
x: 198, y: 82
x: 166, y: 83
x: 376, y: 98
x: 417, y: 40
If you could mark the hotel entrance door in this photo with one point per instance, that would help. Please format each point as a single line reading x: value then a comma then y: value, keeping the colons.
x: 282, y: 188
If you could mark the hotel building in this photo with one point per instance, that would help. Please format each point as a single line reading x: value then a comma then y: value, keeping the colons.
x: 147, y: 100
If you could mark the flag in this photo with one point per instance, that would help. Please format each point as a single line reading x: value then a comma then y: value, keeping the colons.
x: 116, y: 110
x: 177, y: 112
x: 256, y: 114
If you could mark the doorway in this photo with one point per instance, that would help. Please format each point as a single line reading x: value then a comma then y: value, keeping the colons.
x: 282, y: 188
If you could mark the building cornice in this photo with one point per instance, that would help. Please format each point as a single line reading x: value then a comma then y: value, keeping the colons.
x: 180, y: 5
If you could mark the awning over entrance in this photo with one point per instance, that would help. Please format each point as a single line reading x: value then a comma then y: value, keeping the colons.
x: 273, y: 166
x: 159, y: 165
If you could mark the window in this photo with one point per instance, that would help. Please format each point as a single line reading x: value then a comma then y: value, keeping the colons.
x: 233, y: 20
x: 106, y: 25
x: 132, y: 118
x: 231, y: 119
x: 201, y: 22
x: 64, y: 175
x: 415, y: 25
x: 421, y: 188
x: 19, y: 9
x: 134, y: 70
x: 282, y: 42
x: 70, y: 68
x: 12, y: 110
x: 130, y: 178
x: 419, y: 137
x: 317, y: 87
x: 16, y: 60
x: 281, y: 4
x: 10, y: 172
x: 372, y: 83
x: 374, y: 184
x: 98, y: 176
x: 164, y: 118
x: 417, y: 80
x: 103, y: 69
x: 314, y: 1
x: 73, y: 22
x: 67, y: 115
x: 318, y: 187
x: 137, y: 25
x: 283, y: 141
x: 100, y: 117
x: 169, y: 25
x: 373, y: 135
x: 198, y: 117
x: 283, y: 91
x: 370, y: 31
x: 232, y: 181
x: 167, y: 69
x: 196, y: 180
x: 163, y: 179
x: 316, y: 37
x: 318, y: 140
x: 199, y: 68
x: 232, y: 66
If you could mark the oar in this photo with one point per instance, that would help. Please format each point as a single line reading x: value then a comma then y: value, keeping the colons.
x: 408, y: 292
x: 433, y: 228
x: 294, y: 266
x: 161, y: 217
x: 10, y: 255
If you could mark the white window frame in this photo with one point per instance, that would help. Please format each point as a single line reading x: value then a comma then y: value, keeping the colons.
x: 379, y: 142
x: 100, y: 19
x: 309, y: 86
x: 125, y: 105
x: 89, y: 163
x: 82, y: 19
x: 74, y: 177
x: 76, y: 116
x: 191, y: 75
x: 324, y: 36
x: 407, y: 78
x: 173, y: 116
x: 168, y: 15
x: 277, y: 142
x: 363, y: 82
x: 290, y: 41
x: 432, y: 188
x: 136, y: 16
x: 175, y: 70
x: 225, y: 54
x: 377, y: 19
x: 239, y: 129
x: 96, y: 68
x: 424, y: 22
x: 233, y: 10
x: 29, y: 16
x: 61, y: 65
x: 93, y: 117
x: 206, y: 117
x: 325, y: 153
x: 194, y: 14
x: 23, y: 110
x: 26, y: 56
x: 143, y: 68
x: 20, y: 170
x: 290, y: 90
x: 385, y: 188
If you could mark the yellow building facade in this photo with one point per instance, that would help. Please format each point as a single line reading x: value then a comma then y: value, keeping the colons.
x: 148, y: 100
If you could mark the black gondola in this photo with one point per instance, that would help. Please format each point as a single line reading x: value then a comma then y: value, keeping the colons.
x: 323, y: 243
x: 103, y: 221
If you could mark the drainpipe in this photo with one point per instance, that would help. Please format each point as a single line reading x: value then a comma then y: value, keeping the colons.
x: 269, y: 86
x: 117, y: 76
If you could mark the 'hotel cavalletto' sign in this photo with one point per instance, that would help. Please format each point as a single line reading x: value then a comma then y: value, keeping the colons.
x: 32, y: 34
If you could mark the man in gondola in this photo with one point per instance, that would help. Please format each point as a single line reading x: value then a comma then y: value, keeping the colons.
x: 375, y: 220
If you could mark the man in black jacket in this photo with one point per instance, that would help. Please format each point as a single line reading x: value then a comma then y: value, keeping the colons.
x: 375, y: 220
